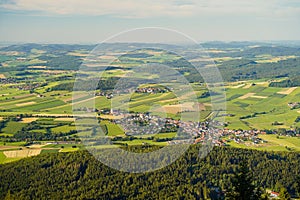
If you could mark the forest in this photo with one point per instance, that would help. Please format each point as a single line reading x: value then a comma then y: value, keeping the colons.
x: 291, y: 82
x: 80, y: 175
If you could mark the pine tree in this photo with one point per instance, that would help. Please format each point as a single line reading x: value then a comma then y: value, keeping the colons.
x: 298, y: 185
x: 8, y: 196
x: 243, y: 188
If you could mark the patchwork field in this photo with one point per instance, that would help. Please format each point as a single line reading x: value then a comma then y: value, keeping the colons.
x: 22, y: 153
x: 247, y: 96
x: 241, y: 101
x: 287, y: 91
x: 37, y: 103
x: 29, y: 120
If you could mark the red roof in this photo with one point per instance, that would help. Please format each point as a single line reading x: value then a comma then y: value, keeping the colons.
x: 275, y: 193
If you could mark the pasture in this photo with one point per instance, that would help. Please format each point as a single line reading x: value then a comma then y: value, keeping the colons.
x: 273, y: 143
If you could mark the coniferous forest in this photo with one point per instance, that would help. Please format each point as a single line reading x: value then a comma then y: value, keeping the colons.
x: 226, y: 173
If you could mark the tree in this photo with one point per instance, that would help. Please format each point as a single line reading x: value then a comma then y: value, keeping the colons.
x: 298, y: 185
x: 8, y: 196
x: 243, y: 188
x: 284, y: 195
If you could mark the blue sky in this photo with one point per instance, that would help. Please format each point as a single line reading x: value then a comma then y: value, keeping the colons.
x: 90, y: 21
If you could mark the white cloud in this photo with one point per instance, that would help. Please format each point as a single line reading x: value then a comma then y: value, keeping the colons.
x: 155, y: 8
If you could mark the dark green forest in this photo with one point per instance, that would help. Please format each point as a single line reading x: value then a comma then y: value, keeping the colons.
x: 79, y: 175
x: 292, y: 82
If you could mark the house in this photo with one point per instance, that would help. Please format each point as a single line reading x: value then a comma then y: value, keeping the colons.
x: 274, y: 194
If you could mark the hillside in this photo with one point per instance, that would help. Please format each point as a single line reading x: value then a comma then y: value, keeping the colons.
x: 79, y: 175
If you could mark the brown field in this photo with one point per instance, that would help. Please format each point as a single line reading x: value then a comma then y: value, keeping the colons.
x: 65, y: 119
x: 25, y: 104
x: 63, y: 115
x: 215, y: 51
x: 259, y: 97
x: 287, y: 91
x: 247, y: 95
x: 107, y: 57
x: 7, y: 147
x: 204, y: 59
x: 201, y: 106
x: 275, y: 59
x: 224, y: 59
x: 37, y: 67
x: 55, y: 71
x: 238, y: 86
x: 36, y: 146
x: 29, y: 119
x: 2, y: 76
x: 23, y: 96
x: 154, y: 52
x: 1, y: 118
x: 265, y: 83
x: 112, y: 116
x: 22, y: 153
x: 78, y: 54
x: 97, y: 65
x: 247, y: 86
x: 178, y: 108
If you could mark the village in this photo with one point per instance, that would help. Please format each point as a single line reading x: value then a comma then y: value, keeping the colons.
x: 187, y: 132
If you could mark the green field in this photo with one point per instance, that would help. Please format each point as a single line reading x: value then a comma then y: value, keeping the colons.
x: 4, y: 159
x: 274, y: 143
x: 13, y: 127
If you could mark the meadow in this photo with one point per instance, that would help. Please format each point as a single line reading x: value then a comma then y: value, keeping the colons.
x: 273, y: 143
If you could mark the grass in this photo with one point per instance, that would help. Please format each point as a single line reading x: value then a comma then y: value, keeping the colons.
x: 63, y: 129
x: 46, y: 151
x: 283, y: 141
x: 275, y: 105
x: 4, y: 159
x: 13, y: 127
x: 21, y: 143
x: 113, y: 129
x: 69, y: 149
x: 261, y: 148
x: 273, y: 144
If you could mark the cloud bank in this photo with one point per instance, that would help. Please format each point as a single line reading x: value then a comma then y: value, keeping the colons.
x: 156, y: 8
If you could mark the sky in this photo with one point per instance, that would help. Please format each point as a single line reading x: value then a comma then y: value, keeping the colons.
x: 92, y: 21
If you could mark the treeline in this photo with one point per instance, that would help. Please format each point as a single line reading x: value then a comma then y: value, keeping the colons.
x: 62, y: 62
x: 102, y: 84
x: 292, y: 82
x: 40, y: 136
x: 245, y: 69
x: 79, y: 175
x: 253, y: 115
x: 87, y: 85
x: 263, y: 50
x: 50, y: 48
